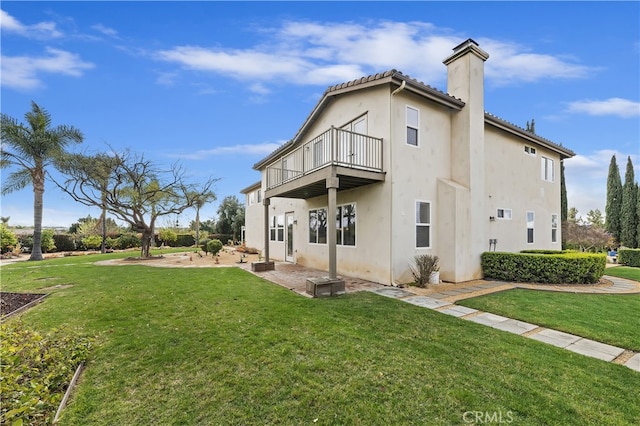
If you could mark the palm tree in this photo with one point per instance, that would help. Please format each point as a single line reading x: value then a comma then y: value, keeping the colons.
x: 200, y: 200
x: 31, y: 148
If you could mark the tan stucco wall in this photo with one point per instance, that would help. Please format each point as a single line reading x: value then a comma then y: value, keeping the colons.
x: 514, y: 181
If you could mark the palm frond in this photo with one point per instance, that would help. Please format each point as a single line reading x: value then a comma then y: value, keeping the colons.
x: 16, y: 181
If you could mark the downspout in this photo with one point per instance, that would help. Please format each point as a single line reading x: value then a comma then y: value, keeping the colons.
x: 395, y: 92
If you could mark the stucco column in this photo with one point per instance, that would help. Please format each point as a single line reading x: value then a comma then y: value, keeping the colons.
x: 332, y: 187
x: 266, y: 202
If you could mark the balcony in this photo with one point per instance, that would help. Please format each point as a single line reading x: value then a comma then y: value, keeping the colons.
x: 356, y: 159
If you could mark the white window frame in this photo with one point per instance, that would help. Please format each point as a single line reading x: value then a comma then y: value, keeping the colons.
x: 554, y: 227
x: 531, y: 226
x: 415, y: 127
x: 547, y: 168
x: 530, y: 150
x: 280, y: 227
x: 259, y: 192
x: 251, y: 198
x: 420, y: 224
x: 504, y: 214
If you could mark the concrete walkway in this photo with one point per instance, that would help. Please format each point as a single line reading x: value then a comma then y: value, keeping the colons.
x: 444, y: 302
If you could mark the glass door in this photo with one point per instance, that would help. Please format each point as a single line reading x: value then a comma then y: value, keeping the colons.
x: 289, y: 237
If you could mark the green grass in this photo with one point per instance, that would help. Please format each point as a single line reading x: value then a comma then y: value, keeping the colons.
x: 199, y: 346
x: 606, y: 318
x: 624, y: 272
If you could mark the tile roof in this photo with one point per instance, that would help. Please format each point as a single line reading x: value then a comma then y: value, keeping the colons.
x: 424, y: 89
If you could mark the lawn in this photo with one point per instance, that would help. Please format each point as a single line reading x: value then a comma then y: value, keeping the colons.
x: 624, y: 272
x: 221, y: 346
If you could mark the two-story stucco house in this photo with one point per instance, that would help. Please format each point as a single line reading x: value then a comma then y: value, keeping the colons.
x: 385, y: 168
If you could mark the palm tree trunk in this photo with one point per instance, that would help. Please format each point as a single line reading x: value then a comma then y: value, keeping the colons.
x: 36, y: 250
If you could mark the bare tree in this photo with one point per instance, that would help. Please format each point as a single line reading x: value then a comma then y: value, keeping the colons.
x: 586, y: 237
x: 131, y: 188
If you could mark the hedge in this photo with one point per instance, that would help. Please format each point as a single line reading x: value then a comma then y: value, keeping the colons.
x: 629, y: 257
x: 567, y: 268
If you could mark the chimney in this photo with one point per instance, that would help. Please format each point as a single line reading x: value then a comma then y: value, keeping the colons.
x: 464, y: 198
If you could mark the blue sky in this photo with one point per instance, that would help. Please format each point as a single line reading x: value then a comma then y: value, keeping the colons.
x: 219, y: 85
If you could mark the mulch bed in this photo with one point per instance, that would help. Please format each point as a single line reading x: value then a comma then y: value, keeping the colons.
x: 11, y: 302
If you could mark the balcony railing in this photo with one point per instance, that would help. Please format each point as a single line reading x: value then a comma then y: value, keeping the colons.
x: 334, y: 147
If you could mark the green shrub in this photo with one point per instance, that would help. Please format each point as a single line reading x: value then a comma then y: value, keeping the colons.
x: 221, y: 237
x: 629, y: 257
x: 203, y: 244
x: 92, y: 242
x: 542, y: 251
x: 126, y: 241
x: 214, y: 246
x: 35, y: 371
x: 167, y: 236
x: 64, y: 242
x: 569, y: 268
x: 48, y: 245
x: 185, y: 240
x: 8, y: 239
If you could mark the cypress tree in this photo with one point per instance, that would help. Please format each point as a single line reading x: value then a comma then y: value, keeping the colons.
x: 564, y: 207
x: 628, y: 216
x: 638, y: 214
x: 614, y: 200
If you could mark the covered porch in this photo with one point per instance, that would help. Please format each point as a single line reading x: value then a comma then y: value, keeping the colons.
x: 336, y: 160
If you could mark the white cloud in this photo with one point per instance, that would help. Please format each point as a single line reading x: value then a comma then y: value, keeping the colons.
x: 41, y: 30
x: 306, y: 53
x: 23, y: 72
x: 105, y: 30
x: 510, y: 62
x: 242, y: 149
x: 612, y: 106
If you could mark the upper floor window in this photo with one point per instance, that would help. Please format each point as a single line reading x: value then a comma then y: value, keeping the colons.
x: 547, y: 169
x: 530, y: 150
x: 259, y: 195
x: 423, y: 224
x: 413, y: 124
x: 251, y: 198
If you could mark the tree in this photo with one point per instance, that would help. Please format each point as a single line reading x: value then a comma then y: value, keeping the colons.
x: 638, y: 214
x: 32, y: 148
x: 613, y: 208
x: 230, y: 216
x: 208, y: 226
x: 563, y: 195
x: 572, y: 215
x: 134, y: 190
x: 585, y: 237
x: 201, y: 200
x: 628, y: 215
x: 594, y: 218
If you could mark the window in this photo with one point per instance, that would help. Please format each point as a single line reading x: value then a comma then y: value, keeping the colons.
x: 554, y: 228
x: 276, y: 228
x: 530, y: 226
x: 251, y: 198
x: 530, y: 150
x: 423, y: 224
x: 318, y: 226
x: 272, y: 228
x: 547, y: 169
x: 413, y: 124
x: 318, y: 153
x: 504, y: 214
x: 280, y: 227
x: 346, y: 225
x: 259, y: 195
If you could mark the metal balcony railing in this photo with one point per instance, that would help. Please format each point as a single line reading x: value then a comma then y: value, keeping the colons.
x: 334, y: 147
